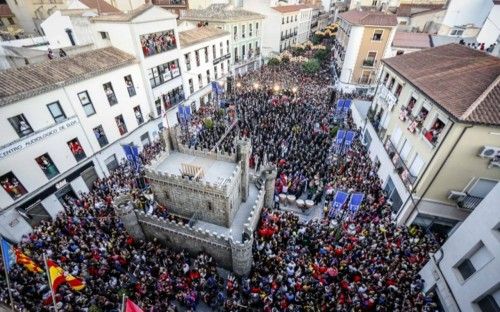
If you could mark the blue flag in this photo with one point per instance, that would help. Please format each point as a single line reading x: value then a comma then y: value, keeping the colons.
x: 182, y: 113
x: 8, y: 254
x: 132, y: 154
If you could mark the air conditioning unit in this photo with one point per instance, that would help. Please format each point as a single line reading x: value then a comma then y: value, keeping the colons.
x: 457, y: 196
x: 494, y: 162
x: 489, y: 151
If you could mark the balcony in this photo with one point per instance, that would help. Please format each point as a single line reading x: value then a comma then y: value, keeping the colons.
x: 173, y: 3
x: 399, y: 165
x: 369, y: 63
x: 386, y: 97
x: 374, y: 119
x: 469, y: 202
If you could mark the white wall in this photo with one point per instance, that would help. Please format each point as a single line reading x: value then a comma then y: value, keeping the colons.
x: 490, y: 31
x: 481, y: 226
x: 460, y: 12
x: 351, y: 53
x: 54, y: 28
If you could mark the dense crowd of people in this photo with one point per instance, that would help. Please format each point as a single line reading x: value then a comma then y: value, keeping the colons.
x: 351, y: 262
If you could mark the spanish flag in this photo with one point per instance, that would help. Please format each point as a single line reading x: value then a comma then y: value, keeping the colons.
x: 29, y: 264
x: 58, y: 276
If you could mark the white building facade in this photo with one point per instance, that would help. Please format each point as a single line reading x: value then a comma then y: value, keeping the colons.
x: 465, y: 271
x: 65, y: 132
x: 244, y: 26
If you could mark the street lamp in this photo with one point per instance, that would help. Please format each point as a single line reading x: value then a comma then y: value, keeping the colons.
x: 256, y: 85
x: 294, y: 89
x: 276, y: 88
x: 238, y: 85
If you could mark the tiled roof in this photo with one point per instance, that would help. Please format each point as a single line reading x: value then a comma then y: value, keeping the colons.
x: 411, y: 40
x: 407, y: 10
x: 20, y: 83
x: 463, y: 81
x: 123, y: 17
x: 199, y: 34
x: 101, y: 6
x: 5, y: 11
x: 219, y: 12
x: 290, y: 8
x: 369, y: 18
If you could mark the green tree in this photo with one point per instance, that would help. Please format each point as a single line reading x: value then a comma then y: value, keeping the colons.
x: 321, y: 55
x: 273, y: 61
x: 310, y: 67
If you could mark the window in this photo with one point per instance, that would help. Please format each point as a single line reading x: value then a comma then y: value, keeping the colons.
x: 206, y: 54
x: 187, y: 58
x: 235, y: 32
x: 370, y: 59
x: 21, y: 125
x: 47, y: 165
x: 296, y: 17
x: 197, y: 57
x: 100, y: 136
x: 214, y: 53
x: 282, y: 20
x: 398, y: 90
x: 391, y: 83
x: 216, y: 75
x: 456, y: 32
x: 386, y: 77
x: 393, y: 195
x: 208, y: 76
x: 367, y: 138
x: 242, y: 31
x: 111, y: 162
x: 405, y: 150
x: 221, y: 48
x: 200, y: 81
x: 110, y: 93
x: 130, y: 85
x: 490, y: 303
x: 476, y: 259
x: 235, y: 54
x: 12, y: 186
x: 173, y: 97
x: 433, y: 133
x: 222, y: 68
x: 88, y: 108
x: 159, y: 42
x: 56, y: 111
x: 396, y: 136
x: 163, y: 73
x: 191, y: 86
x: 120, y: 123
x: 158, y: 106
x: 227, y: 46
x: 257, y: 29
x: 104, y: 35
x: 138, y: 115
x: 416, y: 166
x: 377, y: 35
x: 250, y: 30
x: 76, y: 149
x: 243, y: 52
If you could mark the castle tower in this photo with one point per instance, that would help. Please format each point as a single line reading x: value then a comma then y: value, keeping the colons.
x: 173, y: 135
x: 244, y: 151
x: 165, y: 138
x: 241, y: 254
x: 269, y: 175
x: 124, y: 208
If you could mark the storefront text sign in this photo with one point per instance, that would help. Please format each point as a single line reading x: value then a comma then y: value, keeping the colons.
x: 36, y: 137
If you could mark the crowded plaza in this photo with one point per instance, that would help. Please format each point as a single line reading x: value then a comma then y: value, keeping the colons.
x: 345, y: 260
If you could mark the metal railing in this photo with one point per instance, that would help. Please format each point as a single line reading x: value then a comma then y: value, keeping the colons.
x: 369, y: 63
x: 470, y: 202
x: 399, y: 164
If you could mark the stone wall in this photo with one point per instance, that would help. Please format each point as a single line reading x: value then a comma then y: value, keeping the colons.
x: 253, y: 219
x: 205, y: 153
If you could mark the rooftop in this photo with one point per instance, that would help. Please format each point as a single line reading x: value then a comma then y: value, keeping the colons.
x: 411, y: 40
x: 5, y: 11
x: 290, y: 8
x: 20, y: 83
x: 100, y: 5
x: 200, y: 34
x: 219, y: 13
x: 369, y: 18
x: 463, y: 81
x: 126, y: 17
x: 408, y: 10
x: 215, y: 171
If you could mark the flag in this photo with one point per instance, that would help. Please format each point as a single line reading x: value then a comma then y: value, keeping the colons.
x: 56, y: 275
x: 132, y: 154
x: 26, y: 261
x: 130, y: 306
x: 8, y: 254
x: 181, y: 113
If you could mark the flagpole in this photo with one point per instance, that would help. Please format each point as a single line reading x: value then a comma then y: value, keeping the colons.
x: 123, y: 303
x: 6, y: 274
x: 50, y: 283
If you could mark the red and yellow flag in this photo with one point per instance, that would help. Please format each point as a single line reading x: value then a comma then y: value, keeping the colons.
x: 26, y: 261
x: 58, y: 276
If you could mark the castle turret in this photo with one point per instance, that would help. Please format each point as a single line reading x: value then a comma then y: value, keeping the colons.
x: 244, y: 152
x: 165, y: 138
x: 269, y: 175
x: 124, y: 208
x: 241, y: 254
